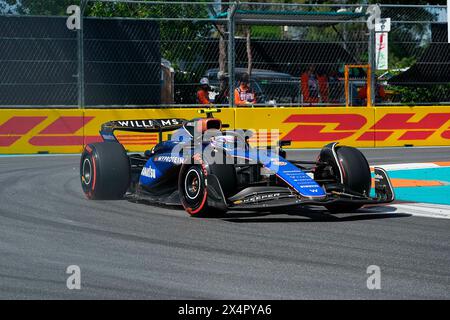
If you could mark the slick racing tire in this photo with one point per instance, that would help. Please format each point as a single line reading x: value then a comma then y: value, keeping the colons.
x: 356, y: 176
x: 192, y: 187
x: 193, y: 190
x: 104, y: 171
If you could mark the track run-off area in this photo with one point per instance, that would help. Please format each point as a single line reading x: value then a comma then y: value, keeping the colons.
x: 131, y: 250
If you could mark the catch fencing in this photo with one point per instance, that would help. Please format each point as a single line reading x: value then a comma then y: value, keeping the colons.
x: 154, y: 54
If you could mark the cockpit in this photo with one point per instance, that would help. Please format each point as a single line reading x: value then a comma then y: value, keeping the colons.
x: 209, y: 130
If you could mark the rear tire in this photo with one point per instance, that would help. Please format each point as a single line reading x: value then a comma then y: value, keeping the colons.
x: 104, y: 171
x: 355, y: 175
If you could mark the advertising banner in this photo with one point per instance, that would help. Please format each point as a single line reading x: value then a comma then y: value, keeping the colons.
x: 28, y: 131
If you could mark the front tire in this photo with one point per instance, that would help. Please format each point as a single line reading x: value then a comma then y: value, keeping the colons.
x: 104, y: 171
x: 353, y: 171
x: 193, y: 190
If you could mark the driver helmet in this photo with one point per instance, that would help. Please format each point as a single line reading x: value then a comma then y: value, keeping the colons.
x: 226, y: 142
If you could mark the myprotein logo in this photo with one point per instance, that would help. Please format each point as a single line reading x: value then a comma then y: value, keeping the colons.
x: 335, y: 127
x: 169, y: 159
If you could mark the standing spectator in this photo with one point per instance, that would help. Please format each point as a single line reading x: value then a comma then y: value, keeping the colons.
x: 244, y: 95
x: 380, y: 94
x: 322, y: 80
x: 310, y: 86
x: 203, y: 92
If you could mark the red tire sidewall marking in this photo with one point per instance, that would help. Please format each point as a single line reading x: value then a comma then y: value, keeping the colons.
x: 95, y: 173
x: 205, y: 193
x: 88, y: 150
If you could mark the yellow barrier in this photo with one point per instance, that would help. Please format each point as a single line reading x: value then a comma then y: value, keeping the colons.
x: 311, y: 127
x: 418, y: 126
x: 67, y: 130
x: 43, y: 130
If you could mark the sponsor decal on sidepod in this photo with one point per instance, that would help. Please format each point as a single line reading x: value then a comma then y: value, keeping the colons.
x: 149, y: 172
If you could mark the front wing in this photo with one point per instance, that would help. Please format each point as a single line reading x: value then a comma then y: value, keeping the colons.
x: 263, y: 198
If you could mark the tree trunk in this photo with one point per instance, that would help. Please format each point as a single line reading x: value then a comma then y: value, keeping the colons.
x: 249, y: 50
x: 222, y: 49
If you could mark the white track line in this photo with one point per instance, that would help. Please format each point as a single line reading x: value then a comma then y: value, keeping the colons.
x: 408, y: 166
x: 428, y: 210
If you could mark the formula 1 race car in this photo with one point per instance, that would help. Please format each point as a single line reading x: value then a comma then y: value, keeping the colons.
x: 208, y: 169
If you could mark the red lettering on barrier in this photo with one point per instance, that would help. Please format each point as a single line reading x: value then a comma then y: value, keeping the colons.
x: 392, y: 122
x: 66, y: 125
x: 347, y: 125
x: 20, y: 125
x: 92, y: 139
x: 396, y: 121
x: 8, y: 140
x: 446, y: 134
x: 416, y: 135
x: 374, y: 136
x: 345, y: 121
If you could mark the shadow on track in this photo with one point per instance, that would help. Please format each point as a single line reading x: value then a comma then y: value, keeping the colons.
x: 308, y: 215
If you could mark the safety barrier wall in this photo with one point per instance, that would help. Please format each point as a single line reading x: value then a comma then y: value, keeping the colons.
x: 68, y: 130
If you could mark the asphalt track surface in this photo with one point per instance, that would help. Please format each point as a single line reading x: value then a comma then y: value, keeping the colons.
x: 132, y: 250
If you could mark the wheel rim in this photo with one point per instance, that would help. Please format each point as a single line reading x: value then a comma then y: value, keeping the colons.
x: 86, y: 171
x: 192, y: 184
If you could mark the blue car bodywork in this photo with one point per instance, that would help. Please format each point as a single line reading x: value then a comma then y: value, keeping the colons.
x: 249, y: 180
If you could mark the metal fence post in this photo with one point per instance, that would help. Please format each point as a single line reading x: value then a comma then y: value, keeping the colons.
x: 81, y: 56
x: 373, y: 66
x: 231, y: 52
x: 448, y: 20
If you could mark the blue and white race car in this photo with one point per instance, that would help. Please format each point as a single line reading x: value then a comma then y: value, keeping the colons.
x: 208, y: 169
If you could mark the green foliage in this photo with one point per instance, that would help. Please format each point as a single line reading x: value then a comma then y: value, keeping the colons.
x: 267, y: 32
x: 426, y: 94
x: 441, y: 2
x: 400, y: 63
x: 47, y: 7
x: 182, y: 42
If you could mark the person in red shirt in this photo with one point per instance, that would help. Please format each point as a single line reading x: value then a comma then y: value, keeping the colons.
x: 203, y: 92
x: 244, y: 95
x: 310, y: 85
x: 380, y: 95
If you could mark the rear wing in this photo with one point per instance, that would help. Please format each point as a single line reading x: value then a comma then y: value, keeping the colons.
x: 141, y: 125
